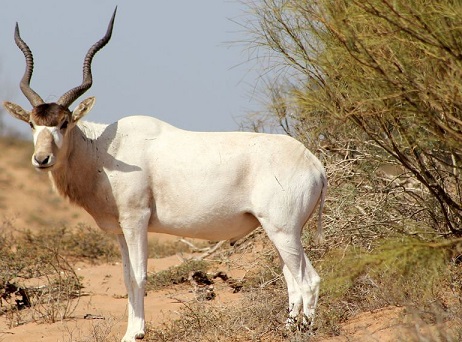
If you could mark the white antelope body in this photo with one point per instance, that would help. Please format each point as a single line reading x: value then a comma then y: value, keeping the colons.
x: 141, y: 174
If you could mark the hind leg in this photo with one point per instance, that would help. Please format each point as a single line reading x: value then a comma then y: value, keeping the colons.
x: 302, y: 279
x: 295, y: 296
x: 310, y: 304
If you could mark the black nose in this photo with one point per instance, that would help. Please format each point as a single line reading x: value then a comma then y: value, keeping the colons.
x: 42, y: 161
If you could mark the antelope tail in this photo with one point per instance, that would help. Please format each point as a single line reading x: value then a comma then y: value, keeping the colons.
x: 319, y: 234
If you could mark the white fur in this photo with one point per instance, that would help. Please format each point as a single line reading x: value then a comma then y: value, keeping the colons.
x: 55, y: 133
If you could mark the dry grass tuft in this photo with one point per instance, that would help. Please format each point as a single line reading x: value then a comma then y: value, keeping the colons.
x: 81, y: 242
x: 100, y: 331
x: 175, y: 274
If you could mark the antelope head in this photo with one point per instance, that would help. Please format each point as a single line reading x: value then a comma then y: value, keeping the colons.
x: 52, y: 122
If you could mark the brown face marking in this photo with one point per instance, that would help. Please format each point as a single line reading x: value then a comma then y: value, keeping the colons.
x: 49, y: 114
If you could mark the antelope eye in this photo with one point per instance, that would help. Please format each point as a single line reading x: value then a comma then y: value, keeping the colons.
x: 64, y: 125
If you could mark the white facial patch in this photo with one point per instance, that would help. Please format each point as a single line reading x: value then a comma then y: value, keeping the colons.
x: 55, y: 133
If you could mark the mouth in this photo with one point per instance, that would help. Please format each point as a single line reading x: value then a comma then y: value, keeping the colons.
x: 43, y: 168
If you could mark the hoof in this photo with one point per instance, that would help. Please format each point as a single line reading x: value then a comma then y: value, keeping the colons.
x: 139, y: 336
x: 130, y: 337
x: 300, y: 323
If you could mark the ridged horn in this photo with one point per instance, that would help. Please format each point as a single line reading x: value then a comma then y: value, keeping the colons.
x: 31, y: 95
x: 68, y: 98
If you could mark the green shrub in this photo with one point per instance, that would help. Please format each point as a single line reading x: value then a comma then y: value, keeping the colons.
x: 402, y: 271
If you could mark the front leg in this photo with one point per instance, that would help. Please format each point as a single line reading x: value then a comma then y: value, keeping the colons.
x: 133, y: 246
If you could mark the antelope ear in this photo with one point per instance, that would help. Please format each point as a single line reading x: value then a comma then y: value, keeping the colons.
x: 17, y: 111
x: 83, y: 108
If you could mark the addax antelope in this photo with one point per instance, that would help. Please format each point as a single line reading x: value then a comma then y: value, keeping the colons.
x: 141, y: 175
